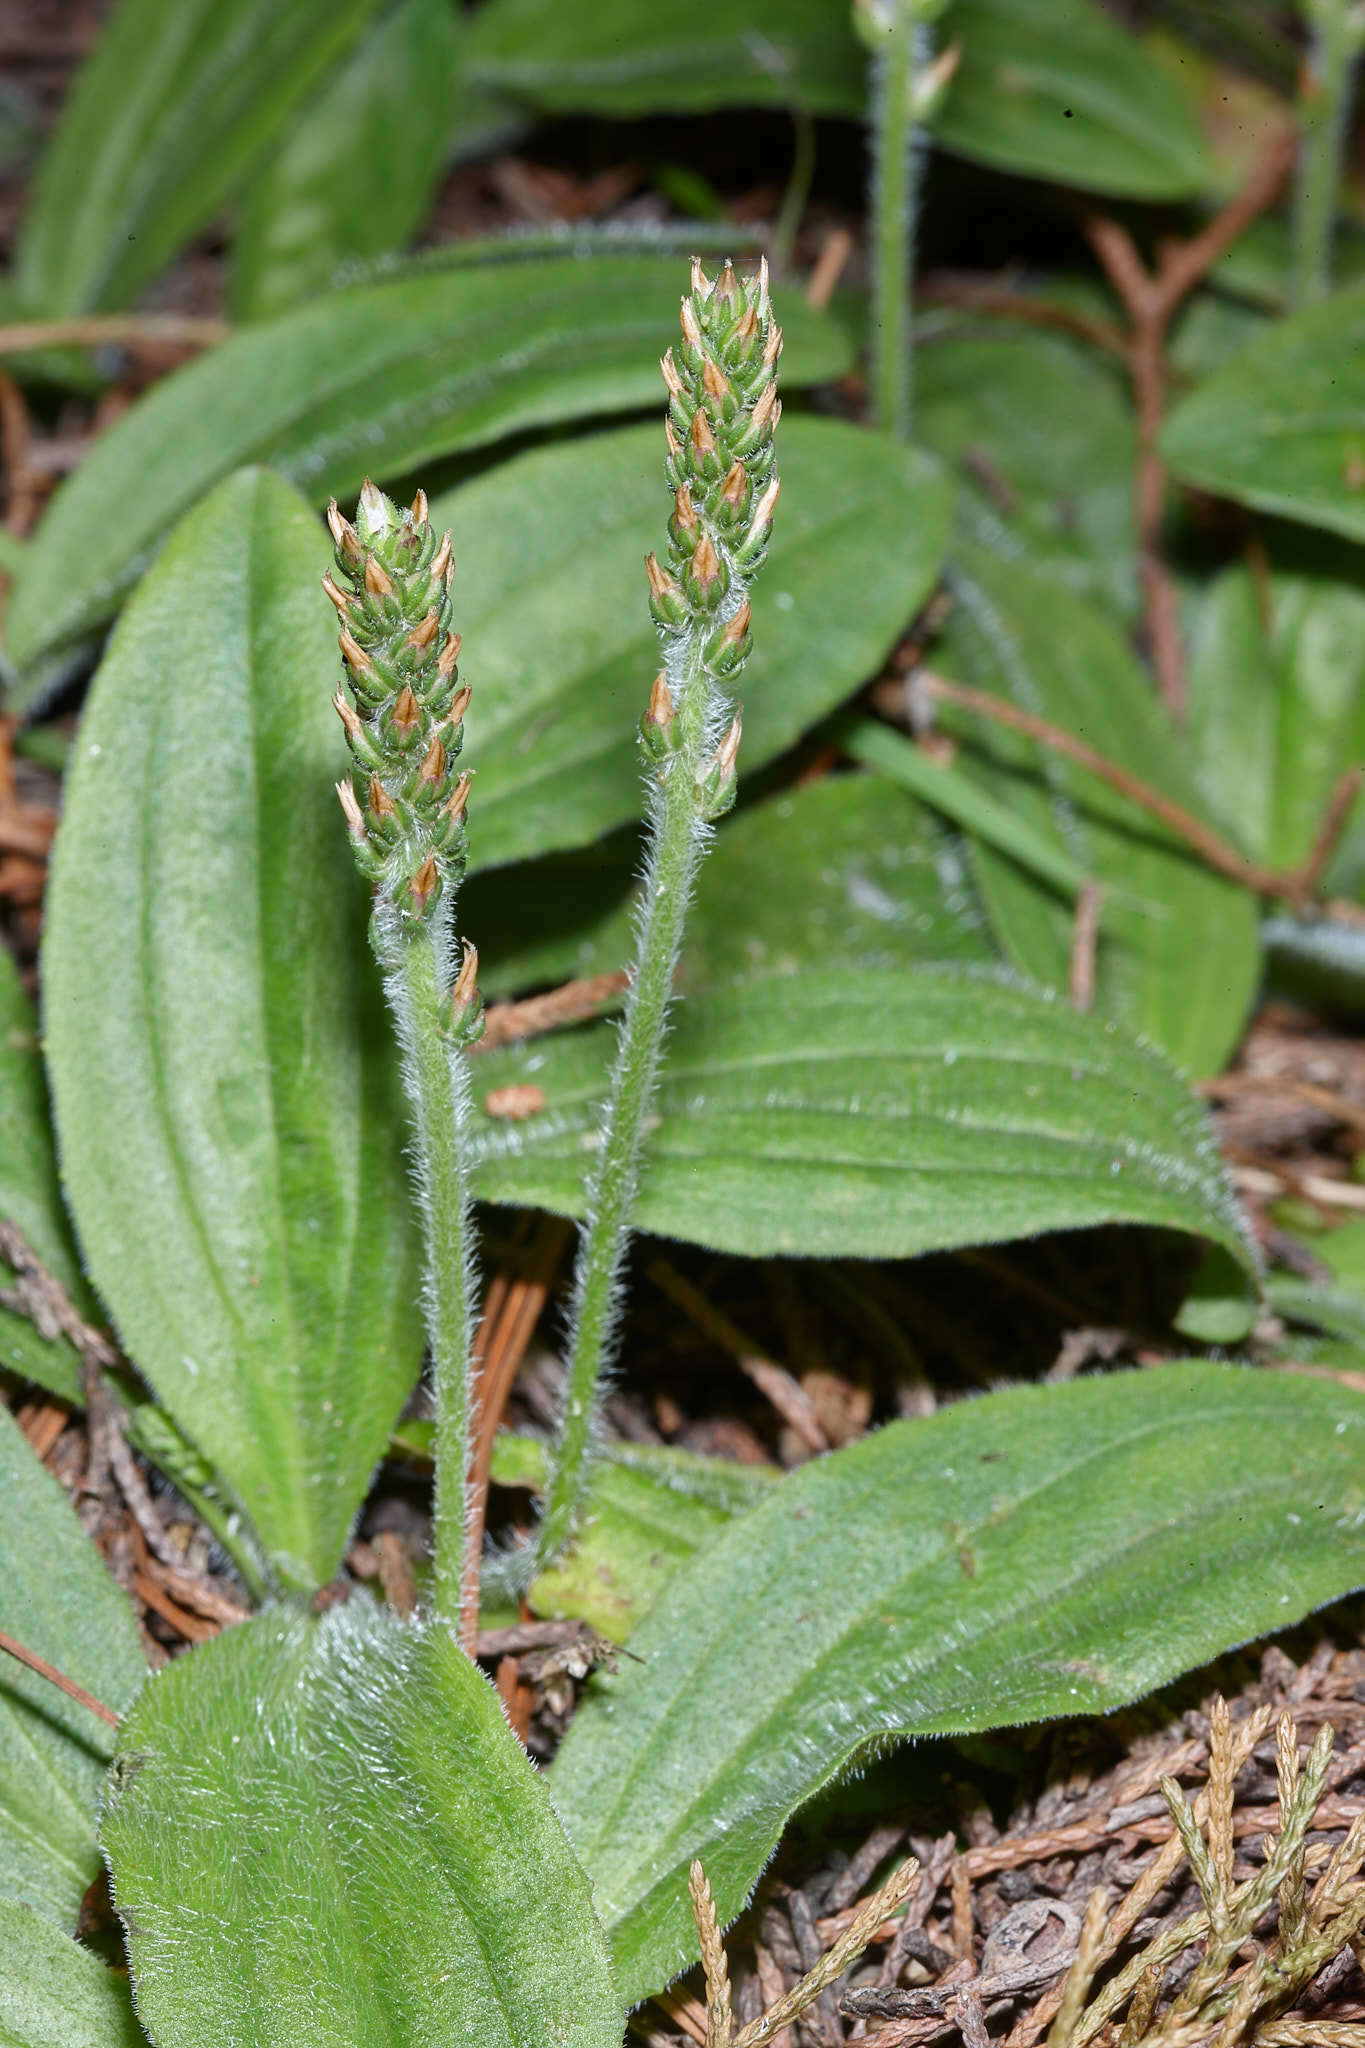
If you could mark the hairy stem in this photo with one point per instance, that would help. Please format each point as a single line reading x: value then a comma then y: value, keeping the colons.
x: 1325, y: 104
x: 404, y: 804
x: 723, y: 409
x: 893, y: 226
x: 677, y: 839
x: 437, y: 1085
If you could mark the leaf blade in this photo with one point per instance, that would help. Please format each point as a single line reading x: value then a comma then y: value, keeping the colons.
x: 59, y: 1601
x: 1179, y: 954
x: 1055, y: 89
x: 1002, y: 1560
x: 352, y: 178
x: 160, y: 125
x: 1278, y: 426
x: 496, y: 1941
x: 377, y: 378
x: 223, y: 1076
x: 549, y: 547
x: 910, y: 1111
x: 54, y: 1994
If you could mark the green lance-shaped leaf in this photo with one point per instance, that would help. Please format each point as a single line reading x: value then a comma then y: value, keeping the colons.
x: 170, y: 111
x: 549, y: 547
x: 221, y: 1066
x: 30, y: 1191
x: 375, y: 380
x: 883, y: 1115
x: 58, y: 1600
x: 405, y: 812
x: 1282, y: 426
x: 1178, y: 956
x: 323, y: 1834
x: 1046, y: 1551
x: 55, y: 1994
x: 351, y: 176
x: 722, y: 411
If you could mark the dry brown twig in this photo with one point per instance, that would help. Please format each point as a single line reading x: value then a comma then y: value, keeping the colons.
x: 40, y: 1665
x: 510, y: 1315
x: 1151, y: 299
x: 133, y: 331
x: 572, y: 1003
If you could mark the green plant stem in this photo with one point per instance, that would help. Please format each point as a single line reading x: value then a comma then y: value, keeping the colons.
x: 898, y: 154
x: 797, y: 193
x: 1324, y: 112
x: 677, y: 840
x: 438, y: 1093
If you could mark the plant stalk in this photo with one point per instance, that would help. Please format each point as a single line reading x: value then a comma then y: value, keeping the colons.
x: 437, y: 1084
x: 1338, y: 30
x: 893, y: 225
x: 404, y: 803
x: 677, y: 840
x: 722, y: 413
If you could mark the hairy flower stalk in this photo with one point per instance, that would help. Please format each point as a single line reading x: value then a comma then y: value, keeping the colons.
x: 908, y: 83
x: 405, y: 811
x: 722, y: 410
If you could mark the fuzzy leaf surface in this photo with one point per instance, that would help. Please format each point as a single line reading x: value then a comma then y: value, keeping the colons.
x: 650, y: 1509
x: 54, y: 1994
x: 352, y: 176
x: 625, y: 58
x: 342, y: 1800
x: 1178, y: 954
x: 549, y: 547
x: 1040, y: 435
x: 888, y: 1114
x: 375, y: 379
x: 224, y: 1081
x: 30, y: 1191
x: 162, y: 123
x: 1056, y: 89
x: 1043, y: 1551
x: 846, y: 873
x: 1277, y: 704
x: 1050, y: 88
x: 58, y: 1599
x: 1280, y: 425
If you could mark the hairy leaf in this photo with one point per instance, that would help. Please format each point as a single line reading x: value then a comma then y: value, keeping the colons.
x: 54, y: 1994
x: 342, y: 1802
x: 876, y: 1115
x: 58, y: 1600
x: 354, y: 173
x: 1277, y: 694
x: 1055, y: 89
x: 846, y: 873
x: 1178, y: 953
x: 1041, y: 435
x: 223, y: 1076
x: 650, y: 1510
x: 161, y: 125
x: 1281, y: 425
x: 552, y: 595
x: 30, y: 1193
x: 1047, y: 87
x: 374, y: 379
x: 630, y: 57
x: 1044, y: 1551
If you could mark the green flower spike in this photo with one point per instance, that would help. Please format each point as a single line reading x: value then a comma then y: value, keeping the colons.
x: 722, y: 413
x: 405, y: 806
